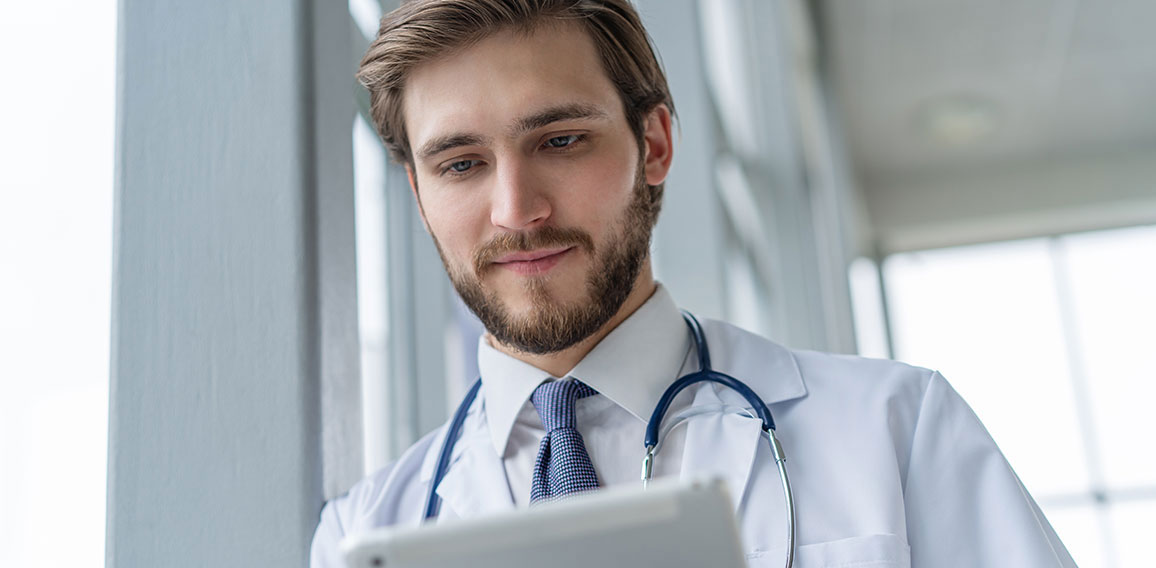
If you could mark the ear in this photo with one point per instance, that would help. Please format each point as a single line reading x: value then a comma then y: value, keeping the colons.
x: 417, y: 198
x: 658, y: 145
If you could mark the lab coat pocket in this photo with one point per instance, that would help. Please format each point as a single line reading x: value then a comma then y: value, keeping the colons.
x: 872, y: 551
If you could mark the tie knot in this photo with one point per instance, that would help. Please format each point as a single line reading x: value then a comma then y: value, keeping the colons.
x: 555, y: 400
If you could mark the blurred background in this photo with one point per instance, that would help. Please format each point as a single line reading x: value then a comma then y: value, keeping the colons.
x: 216, y: 288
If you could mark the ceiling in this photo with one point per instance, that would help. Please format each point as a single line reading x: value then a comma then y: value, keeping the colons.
x: 1034, y: 80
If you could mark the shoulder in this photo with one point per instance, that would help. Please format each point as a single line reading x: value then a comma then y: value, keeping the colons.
x: 390, y: 496
x: 784, y: 373
x: 378, y: 499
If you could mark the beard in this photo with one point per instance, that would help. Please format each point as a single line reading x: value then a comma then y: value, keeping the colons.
x: 552, y: 326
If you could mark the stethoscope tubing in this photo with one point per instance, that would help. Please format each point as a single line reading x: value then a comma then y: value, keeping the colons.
x: 434, y: 501
x: 651, y: 441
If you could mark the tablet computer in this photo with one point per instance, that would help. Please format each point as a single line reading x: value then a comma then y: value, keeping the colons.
x: 670, y: 524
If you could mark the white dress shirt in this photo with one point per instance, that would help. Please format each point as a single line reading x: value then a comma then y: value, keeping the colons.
x: 630, y: 368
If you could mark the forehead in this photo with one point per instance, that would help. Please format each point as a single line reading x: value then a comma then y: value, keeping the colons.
x: 487, y: 86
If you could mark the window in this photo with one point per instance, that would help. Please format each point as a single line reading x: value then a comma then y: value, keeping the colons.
x: 56, y: 200
x: 1050, y: 341
x: 369, y: 186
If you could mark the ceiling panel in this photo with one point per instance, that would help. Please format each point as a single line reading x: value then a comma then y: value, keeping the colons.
x: 1051, y: 77
x: 1114, y: 25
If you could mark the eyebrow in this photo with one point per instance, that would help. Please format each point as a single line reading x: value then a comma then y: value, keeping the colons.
x: 545, y: 117
x: 442, y: 143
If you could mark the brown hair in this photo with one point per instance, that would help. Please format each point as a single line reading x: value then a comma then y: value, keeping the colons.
x: 421, y: 30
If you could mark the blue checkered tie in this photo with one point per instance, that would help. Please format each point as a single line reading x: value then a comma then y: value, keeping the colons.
x: 563, y: 466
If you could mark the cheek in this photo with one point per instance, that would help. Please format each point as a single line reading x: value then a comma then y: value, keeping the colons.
x: 605, y: 190
x: 456, y: 224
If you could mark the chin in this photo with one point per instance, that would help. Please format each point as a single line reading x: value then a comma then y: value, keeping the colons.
x: 528, y: 303
x: 534, y: 300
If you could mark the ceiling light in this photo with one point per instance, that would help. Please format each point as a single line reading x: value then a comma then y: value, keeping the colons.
x: 957, y: 120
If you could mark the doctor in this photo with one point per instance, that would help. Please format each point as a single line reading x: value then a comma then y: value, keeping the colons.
x: 537, y: 136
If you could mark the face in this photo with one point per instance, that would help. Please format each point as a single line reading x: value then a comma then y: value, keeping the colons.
x: 533, y: 184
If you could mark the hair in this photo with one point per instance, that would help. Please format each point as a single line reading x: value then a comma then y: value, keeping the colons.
x: 422, y: 30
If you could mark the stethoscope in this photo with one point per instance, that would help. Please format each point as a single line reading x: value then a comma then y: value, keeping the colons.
x: 653, y: 440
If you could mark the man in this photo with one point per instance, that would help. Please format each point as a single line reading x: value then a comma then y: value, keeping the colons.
x: 537, y: 136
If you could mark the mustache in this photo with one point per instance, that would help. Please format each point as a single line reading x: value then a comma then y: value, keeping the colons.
x: 546, y: 237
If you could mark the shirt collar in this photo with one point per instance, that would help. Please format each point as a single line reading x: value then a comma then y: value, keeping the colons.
x: 632, y: 366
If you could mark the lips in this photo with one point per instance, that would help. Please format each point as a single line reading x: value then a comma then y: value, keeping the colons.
x: 532, y: 262
x: 530, y: 256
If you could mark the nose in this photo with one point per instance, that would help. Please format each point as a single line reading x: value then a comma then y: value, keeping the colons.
x: 520, y: 201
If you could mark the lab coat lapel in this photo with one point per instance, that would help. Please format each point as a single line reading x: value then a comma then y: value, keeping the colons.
x: 720, y: 445
x: 476, y: 482
x: 725, y: 445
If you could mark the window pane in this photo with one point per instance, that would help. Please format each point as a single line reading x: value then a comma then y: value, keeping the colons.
x: 56, y: 209
x: 866, y: 301
x: 372, y: 300
x: 1113, y: 283
x: 744, y: 306
x: 367, y: 15
x: 1132, y: 524
x: 987, y: 317
x: 1079, y: 528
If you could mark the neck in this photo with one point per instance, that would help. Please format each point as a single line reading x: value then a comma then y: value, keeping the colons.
x: 560, y: 362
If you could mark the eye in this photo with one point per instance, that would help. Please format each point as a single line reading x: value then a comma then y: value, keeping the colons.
x: 461, y: 166
x: 563, y: 141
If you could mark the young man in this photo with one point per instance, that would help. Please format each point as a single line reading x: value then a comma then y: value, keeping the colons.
x: 537, y: 135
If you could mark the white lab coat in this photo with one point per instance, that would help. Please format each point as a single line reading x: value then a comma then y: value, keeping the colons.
x: 890, y: 468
